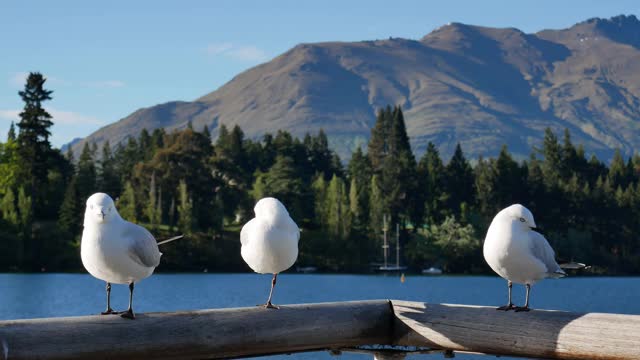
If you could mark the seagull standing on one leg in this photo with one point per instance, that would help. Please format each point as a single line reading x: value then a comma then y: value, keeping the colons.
x: 516, y: 252
x: 270, y: 241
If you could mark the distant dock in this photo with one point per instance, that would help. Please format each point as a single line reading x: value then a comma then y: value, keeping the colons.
x: 385, y: 328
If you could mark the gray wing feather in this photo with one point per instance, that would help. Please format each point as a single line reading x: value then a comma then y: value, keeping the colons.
x: 144, y: 248
x: 541, y: 249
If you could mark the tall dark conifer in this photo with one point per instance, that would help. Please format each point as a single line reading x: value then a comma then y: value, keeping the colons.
x: 378, y: 142
x: 34, y: 148
x: 11, y: 135
x: 108, y: 180
x: 86, y: 175
x: 460, y: 182
x: 431, y: 173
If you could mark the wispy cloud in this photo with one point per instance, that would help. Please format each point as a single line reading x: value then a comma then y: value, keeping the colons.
x: 237, y: 52
x: 59, y: 117
x: 9, y: 115
x: 108, y: 84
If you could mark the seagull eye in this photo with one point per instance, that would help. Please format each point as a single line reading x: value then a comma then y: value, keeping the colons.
x: 91, y: 206
x: 522, y: 219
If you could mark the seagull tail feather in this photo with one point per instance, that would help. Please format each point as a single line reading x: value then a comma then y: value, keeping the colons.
x: 574, y: 266
x: 557, y: 274
x: 170, y: 239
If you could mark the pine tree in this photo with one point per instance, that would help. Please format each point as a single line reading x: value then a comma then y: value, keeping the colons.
x: 11, y: 136
x: 618, y: 170
x: 109, y: 179
x: 485, y: 182
x: 70, y: 216
x: 33, y: 141
x: 126, y: 157
x: 392, y: 160
x: 319, y: 154
x: 378, y: 143
x: 87, y: 174
x: 398, y: 139
x: 459, y: 182
x: 431, y: 172
x: 508, y: 181
x: 145, y: 144
x: 552, y: 153
x: 157, y: 139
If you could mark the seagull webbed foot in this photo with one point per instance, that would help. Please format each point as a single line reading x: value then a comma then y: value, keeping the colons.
x: 522, y: 308
x: 269, y: 305
x: 128, y: 314
x: 109, y: 311
x: 506, y: 307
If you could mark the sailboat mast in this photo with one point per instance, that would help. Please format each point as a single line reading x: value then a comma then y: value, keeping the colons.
x: 397, y: 245
x: 385, y: 246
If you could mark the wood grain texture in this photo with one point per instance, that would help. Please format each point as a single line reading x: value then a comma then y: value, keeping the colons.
x: 241, y: 332
x: 536, y: 334
x: 203, y: 334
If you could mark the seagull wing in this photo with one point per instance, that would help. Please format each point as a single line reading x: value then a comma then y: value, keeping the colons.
x: 542, y: 251
x: 247, y: 229
x: 143, y: 247
x: 294, y: 230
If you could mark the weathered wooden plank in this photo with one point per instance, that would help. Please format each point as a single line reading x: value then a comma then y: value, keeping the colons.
x: 535, y: 334
x: 204, y: 334
x: 257, y: 331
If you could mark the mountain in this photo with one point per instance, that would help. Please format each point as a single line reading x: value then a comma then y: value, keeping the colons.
x: 480, y: 86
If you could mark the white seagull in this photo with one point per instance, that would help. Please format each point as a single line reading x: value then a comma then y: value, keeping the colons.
x: 115, y: 250
x: 270, y: 241
x: 518, y: 253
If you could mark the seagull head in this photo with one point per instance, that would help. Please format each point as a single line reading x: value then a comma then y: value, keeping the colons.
x: 100, y: 209
x: 519, y: 214
x: 270, y: 209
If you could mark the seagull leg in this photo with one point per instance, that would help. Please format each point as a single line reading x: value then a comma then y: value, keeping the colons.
x: 526, y: 303
x: 129, y: 313
x: 269, y: 305
x: 509, y: 306
x: 109, y: 309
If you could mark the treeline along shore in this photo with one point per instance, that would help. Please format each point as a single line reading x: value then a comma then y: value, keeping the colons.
x: 182, y: 182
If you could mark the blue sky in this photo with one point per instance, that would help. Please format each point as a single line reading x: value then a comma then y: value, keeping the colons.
x: 104, y: 60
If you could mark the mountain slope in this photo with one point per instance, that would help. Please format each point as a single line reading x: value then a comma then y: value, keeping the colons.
x: 480, y: 86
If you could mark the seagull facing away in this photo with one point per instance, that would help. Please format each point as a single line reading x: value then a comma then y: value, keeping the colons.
x: 516, y: 252
x: 115, y: 250
x: 270, y: 241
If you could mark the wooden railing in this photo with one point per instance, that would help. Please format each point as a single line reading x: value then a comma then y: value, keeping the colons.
x: 342, y: 326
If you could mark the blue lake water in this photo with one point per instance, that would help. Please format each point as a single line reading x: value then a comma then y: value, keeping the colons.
x: 52, y: 295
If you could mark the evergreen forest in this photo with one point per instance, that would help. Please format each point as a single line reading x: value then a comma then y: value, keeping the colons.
x: 183, y: 182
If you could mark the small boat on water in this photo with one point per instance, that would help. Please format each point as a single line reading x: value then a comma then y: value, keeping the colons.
x: 432, y: 271
x: 391, y: 268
